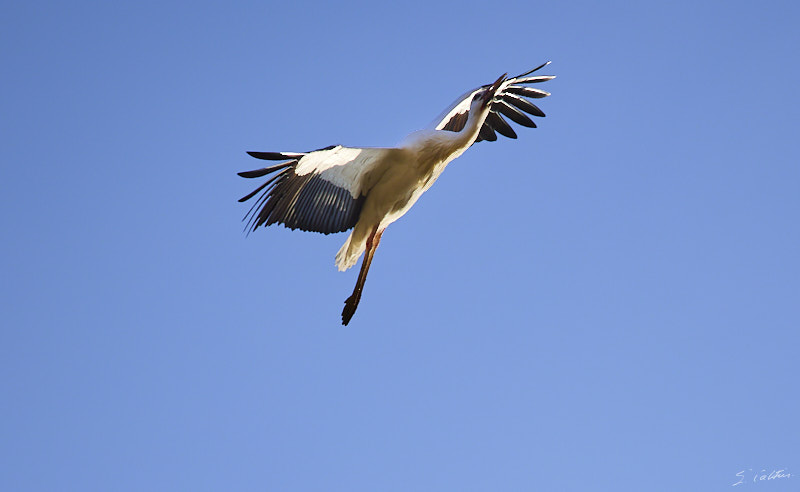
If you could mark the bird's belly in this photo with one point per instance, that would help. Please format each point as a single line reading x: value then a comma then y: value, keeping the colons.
x: 400, y: 208
x: 407, y: 192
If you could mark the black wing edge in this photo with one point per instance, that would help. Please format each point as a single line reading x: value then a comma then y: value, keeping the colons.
x: 512, y: 104
x: 306, y: 202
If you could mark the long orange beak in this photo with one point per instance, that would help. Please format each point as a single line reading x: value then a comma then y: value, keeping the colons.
x: 497, y: 83
x: 488, y: 95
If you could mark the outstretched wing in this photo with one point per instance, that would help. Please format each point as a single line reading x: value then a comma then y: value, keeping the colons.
x: 510, y: 101
x: 317, y: 191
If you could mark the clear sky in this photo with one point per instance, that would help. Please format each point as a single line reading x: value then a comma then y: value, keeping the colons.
x: 610, y: 302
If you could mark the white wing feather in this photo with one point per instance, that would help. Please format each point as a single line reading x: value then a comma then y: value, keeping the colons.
x: 342, y: 166
x: 460, y: 105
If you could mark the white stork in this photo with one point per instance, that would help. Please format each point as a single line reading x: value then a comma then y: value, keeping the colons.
x: 338, y: 188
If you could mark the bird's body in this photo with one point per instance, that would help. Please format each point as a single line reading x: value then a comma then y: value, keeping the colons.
x: 394, y: 185
x: 336, y: 188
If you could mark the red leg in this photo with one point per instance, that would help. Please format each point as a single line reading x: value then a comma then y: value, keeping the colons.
x: 351, y: 303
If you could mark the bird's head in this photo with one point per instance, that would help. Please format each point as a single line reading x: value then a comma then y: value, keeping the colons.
x: 485, y: 96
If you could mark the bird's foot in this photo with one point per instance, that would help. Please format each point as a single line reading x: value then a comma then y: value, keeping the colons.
x: 349, y: 310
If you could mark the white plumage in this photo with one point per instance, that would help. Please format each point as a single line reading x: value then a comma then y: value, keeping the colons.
x: 338, y: 188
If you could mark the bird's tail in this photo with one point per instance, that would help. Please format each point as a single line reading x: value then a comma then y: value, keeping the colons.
x: 349, y: 252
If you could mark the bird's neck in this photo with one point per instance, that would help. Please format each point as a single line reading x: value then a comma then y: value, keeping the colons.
x: 462, y: 140
x: 438, y: 149
x: 475, y: 121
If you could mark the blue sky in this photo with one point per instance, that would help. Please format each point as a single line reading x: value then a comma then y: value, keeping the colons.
x: 610, y: 302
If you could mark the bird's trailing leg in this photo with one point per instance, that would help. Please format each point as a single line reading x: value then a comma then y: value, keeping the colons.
x: 351, y: 303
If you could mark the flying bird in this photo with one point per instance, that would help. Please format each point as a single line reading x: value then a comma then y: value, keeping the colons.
x: 338, y: 188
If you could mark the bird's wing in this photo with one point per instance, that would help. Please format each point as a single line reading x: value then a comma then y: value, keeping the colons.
x: 510, y: 101
x: 317, y: 191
